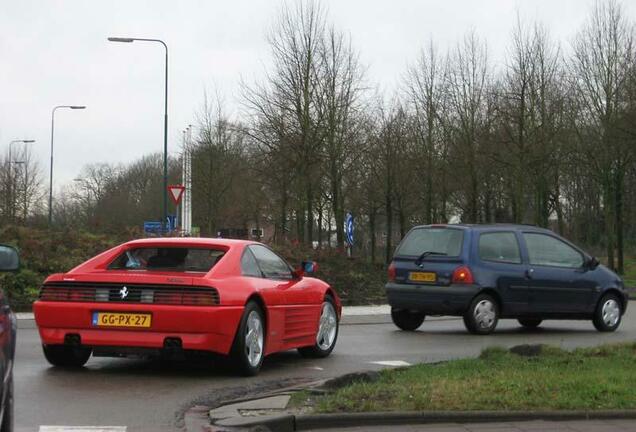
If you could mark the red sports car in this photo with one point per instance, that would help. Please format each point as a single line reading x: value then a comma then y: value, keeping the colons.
x: 170, y: 295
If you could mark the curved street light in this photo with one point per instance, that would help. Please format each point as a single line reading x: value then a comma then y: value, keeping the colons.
x: 165, y: 119
x: 74, y: 107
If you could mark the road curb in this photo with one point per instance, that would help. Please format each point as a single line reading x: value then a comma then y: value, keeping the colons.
x: 322, y: 421
x: 289, y: 422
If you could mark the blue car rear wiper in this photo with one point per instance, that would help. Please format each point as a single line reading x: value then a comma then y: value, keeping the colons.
x: 419, y: 259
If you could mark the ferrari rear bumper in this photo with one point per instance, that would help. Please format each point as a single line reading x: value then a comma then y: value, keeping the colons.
x: 198, y: 328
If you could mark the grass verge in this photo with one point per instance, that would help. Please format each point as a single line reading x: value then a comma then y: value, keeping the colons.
x: 589, y: 379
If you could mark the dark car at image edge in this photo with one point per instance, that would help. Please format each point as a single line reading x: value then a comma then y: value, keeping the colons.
x: 487, y: 272
x: 9, y: 261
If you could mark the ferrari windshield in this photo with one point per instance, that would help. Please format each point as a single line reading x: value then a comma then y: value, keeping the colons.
x: 168, y: 259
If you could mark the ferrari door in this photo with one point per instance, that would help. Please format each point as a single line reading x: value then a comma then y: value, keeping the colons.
x: 301, y: 310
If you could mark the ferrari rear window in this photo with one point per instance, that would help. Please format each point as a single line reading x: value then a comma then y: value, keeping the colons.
x: 178, y: 259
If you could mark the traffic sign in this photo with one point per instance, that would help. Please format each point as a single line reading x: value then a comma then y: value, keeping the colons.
x: 153, y: 227
x: 349, y: 228
x: 176, y: 193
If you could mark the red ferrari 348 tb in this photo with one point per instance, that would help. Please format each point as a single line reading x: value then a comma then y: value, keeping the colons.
x: 166, y: 295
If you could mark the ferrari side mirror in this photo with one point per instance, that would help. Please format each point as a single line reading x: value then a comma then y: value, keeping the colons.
x: 309, y: 267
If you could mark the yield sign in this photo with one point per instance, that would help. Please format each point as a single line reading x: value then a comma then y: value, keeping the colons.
x: 176, y: 193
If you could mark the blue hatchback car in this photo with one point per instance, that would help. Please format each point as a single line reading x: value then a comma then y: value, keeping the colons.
x: 487, y: 272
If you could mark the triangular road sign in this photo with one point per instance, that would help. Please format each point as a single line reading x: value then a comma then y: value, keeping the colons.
x: 176, y: 193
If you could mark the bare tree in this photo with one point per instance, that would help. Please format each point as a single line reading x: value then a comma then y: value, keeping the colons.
x: 424, y: 83
x: 467, y: 86
x: 340, y: 82
x: 529, y: 107
x: 601, y: 65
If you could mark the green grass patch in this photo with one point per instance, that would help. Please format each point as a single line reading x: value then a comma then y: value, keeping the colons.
x: 590, y: 379
x: 630, y: 272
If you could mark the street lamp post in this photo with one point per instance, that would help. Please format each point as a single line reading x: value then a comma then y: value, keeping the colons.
x: 51, y: 171
x: 23, y: 141
x: 165, y: 119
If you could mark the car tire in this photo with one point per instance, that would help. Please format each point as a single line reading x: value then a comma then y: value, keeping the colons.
x: 327, y: 333
x: 530, y: 322
x: 248, y: 349
x: 608, y: 313
x: 66, y: 356
x: 407, y: 320
x: 7, y: 417
x: 482, y: 315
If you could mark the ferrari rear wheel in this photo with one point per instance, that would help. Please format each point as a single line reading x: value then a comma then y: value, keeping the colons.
x: 327, y: 332
x: 66, y: 356
x: 248, y: 350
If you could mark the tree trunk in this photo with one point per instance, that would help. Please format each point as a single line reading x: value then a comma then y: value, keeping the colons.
x: 372, y: 229
x: 402, y: 222
x: 609, y: 223
x: 558, y: 208
x: 335, y: 204
x: 320, y: 227
x: 280, y: 238
x: 310, y: 213
x: 618, y: 204
x: 389, y: 229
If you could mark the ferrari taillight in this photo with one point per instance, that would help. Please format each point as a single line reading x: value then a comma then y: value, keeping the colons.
x: 197, y: 299
x: 75, y: 295
x: 168, y: 298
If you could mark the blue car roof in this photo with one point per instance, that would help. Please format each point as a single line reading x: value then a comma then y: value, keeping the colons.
x: 488, y: 227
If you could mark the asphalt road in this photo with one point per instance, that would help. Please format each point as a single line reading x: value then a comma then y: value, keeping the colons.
x: 150, y: 396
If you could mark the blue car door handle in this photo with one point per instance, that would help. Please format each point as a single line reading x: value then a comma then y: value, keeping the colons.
x: 529, y: 273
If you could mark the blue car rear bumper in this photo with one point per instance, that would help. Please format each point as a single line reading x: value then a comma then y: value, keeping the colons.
x: 431, y: 299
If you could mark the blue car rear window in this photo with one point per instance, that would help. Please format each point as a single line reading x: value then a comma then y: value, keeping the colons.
x: 447, y: 241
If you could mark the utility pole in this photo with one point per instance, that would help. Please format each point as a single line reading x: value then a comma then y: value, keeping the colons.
x: 73, y: 107
x: 165, y: 119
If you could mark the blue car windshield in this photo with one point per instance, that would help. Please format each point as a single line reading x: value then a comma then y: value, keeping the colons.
x: 436, y: 241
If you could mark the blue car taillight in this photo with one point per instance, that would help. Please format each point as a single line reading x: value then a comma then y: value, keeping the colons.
x: 462, y: 275
x: 391, y: 272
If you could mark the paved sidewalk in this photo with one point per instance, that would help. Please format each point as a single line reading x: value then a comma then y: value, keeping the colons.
x: 526, y: 426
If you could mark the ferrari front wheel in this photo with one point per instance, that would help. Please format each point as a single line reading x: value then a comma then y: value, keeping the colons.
x: 327, y: 331
x: 249, y: 343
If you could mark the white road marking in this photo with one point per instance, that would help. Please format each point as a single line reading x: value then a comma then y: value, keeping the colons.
x: 315, y: 368
x: 82, y: 428
x: 395, y: 363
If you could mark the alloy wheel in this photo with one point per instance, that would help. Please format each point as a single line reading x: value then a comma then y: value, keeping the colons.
x: 254, y: 338
x: 327, y: 327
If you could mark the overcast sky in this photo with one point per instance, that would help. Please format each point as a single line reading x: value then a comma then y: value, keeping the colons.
x: 56, y: 52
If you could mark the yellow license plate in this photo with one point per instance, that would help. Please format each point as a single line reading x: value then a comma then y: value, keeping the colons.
x: 422, y: 277
x: 118, y: 319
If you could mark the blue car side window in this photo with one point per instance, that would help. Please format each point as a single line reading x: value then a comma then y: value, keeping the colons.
x: 499, y: 247
x: 549, y: 251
